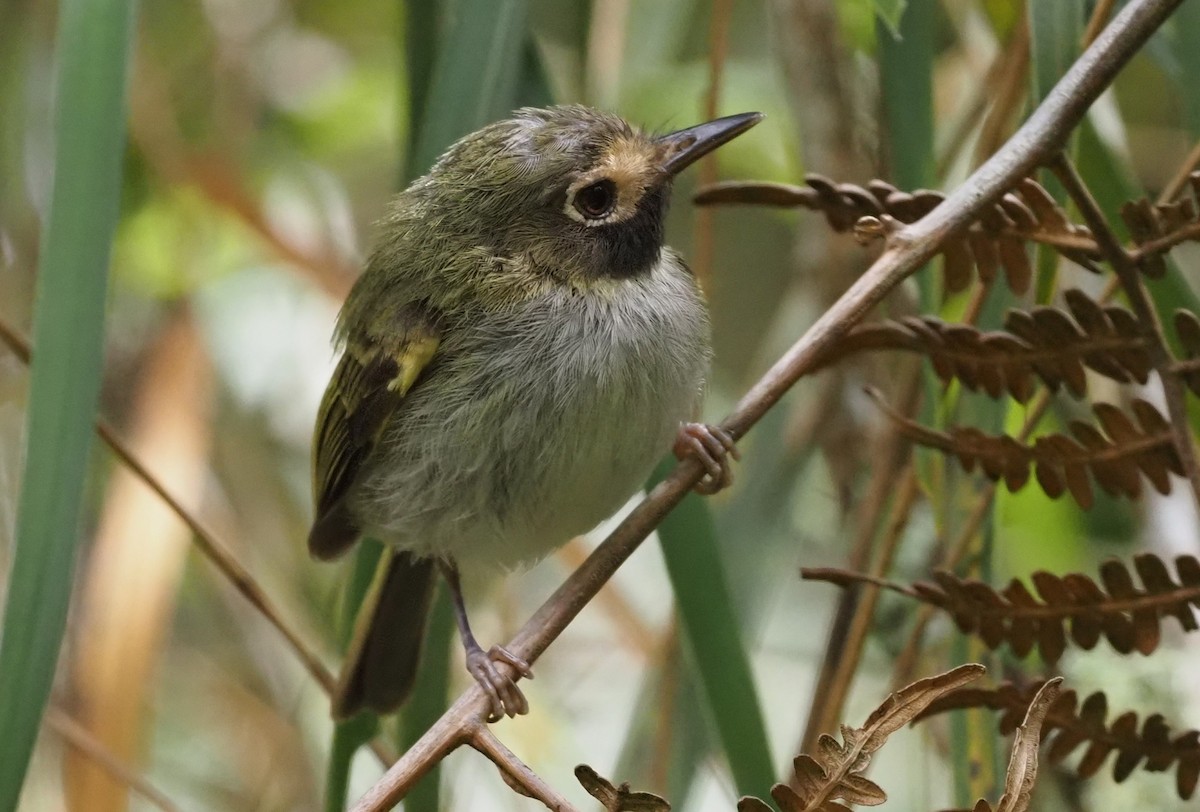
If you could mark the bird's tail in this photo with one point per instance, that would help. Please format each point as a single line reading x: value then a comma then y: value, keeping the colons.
x: 381, y: 661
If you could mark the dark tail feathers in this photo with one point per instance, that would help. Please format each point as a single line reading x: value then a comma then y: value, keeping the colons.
x: 381, y: 662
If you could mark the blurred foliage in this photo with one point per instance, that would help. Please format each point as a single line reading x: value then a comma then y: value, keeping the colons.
x: 265, y: 138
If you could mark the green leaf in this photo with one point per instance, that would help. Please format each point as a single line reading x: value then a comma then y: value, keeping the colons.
x: 906, y: 87
x: 93, y: 49
x: 475, y: 76
x: 429, y: 699
x: 353, y: 733
x: 712, y: 634
x: 889, y: 13
x: 1055, y: 31
x: 1187, y: 33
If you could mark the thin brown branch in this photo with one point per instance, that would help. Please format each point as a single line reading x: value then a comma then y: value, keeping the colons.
x: 1165, y: 243
x: 1009, y: 93
x: 1103, y: 10
x: 1126, y: 269
x: 212, y: 549
x: 209, y: 546
x: 1038, y: 140
x: 78, y: 737
x: 633, y: 630
x: 515, y: 772
x: 847, y: 630
x: 718, y: 49
x: 1180, y: 178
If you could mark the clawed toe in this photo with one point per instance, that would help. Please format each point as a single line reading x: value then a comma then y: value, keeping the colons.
x: 712, y: 446
x: 505, y: 697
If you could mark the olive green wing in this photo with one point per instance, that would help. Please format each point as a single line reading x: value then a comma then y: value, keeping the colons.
x: 369, y: 384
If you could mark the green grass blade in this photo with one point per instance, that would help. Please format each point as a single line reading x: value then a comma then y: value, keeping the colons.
x: 1187, y: 34
x: 476, y: 73
x: 348, y: 736
x: 429, y: 699
x: 353, y: 733
x: 93, y: 47
x: 906, y: 88
x: 1055, y: 30
x: 712, y: 635
x: 906, y: 85
x: 420, y: 51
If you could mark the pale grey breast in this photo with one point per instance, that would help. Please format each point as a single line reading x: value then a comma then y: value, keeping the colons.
x: 568, y: 418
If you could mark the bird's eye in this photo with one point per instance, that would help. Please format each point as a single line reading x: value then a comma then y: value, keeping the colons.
x: 597, y: 200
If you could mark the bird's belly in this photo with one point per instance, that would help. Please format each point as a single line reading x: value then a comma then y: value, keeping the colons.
x: 534, y: 432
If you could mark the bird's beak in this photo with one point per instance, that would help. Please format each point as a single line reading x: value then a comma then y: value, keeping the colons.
x: 685, y: 147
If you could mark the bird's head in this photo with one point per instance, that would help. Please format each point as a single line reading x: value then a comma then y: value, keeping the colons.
x: 577, y: 193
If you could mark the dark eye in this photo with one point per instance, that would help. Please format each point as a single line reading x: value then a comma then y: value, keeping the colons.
x: 597, y: 200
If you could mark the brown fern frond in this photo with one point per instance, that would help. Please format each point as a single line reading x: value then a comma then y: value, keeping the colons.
x: 1071, y: 605
x: 835, y: 772
x: 618, y: 798
x: 995, y: 242
x: 1045, y: 342
x: 1023, y: 761
x: 1156, y: 229
x: 1187, y: 327
x: 1071, y: 724
x: 1061, y: 463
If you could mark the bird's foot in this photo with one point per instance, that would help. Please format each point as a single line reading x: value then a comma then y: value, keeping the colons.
x: 506, y: 698
x: 713, y: 446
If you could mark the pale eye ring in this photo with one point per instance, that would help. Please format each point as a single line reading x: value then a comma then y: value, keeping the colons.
x: 596, y: 200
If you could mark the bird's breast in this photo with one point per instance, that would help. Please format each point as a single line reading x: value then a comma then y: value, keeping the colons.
x: 537, y: 424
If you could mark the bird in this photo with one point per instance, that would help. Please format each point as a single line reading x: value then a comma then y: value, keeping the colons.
x: 519, y: 351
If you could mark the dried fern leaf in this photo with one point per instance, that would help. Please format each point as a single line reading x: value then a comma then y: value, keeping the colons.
x: 1022, y: 763
x: 835, y: 772
x: 1157, y: 228
x: 1071, y: 724
x: 1071, y: 607
x: 618, y: 798
x: 1044, y: 343
x: 1187, y: 327
x: 995, y: 242
x: 1114, y: 458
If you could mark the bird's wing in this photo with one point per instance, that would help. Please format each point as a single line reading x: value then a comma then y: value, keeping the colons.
x: 371, y: 381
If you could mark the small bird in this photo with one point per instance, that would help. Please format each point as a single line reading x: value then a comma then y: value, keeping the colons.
x: 518, y: 353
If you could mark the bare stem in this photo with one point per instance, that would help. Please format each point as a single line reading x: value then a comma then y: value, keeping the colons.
x: 516, y: 773
x: 1038, y: 140
x: 80, y: 738
x: 213, y: 550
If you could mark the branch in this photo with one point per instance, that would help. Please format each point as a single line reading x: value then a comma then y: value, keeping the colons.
x: 212, y: 549
x: 1038, y: 140
x: 515, y: 772
x: 80, y: 738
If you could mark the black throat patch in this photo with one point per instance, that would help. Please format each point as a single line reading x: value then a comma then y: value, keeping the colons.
x: 632, y: 247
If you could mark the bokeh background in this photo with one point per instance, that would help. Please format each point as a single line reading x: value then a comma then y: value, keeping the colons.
x: 264, y: 139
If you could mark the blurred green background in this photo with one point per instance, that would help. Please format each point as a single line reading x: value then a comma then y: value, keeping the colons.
x: 264, y: 138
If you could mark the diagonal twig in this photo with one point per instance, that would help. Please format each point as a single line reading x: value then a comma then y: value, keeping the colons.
x: 515, y: 772
x: 1038, y: 140
x: 80, y: 738
x: 212, y: 549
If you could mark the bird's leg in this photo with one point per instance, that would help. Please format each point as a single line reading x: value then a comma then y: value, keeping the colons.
x: 505, y: 696
x: 713, y: 446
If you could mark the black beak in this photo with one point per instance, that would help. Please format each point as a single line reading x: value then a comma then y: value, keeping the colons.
x: 685, y: 147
